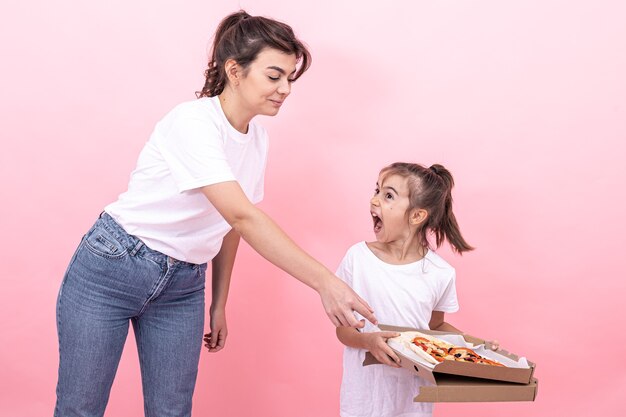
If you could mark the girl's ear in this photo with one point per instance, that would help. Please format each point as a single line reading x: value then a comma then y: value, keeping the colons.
x: 417, y: 217
x: 233, y: 71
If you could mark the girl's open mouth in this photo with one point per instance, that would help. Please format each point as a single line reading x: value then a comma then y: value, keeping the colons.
x: 378, y: 223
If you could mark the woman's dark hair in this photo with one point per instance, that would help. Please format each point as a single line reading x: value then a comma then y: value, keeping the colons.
x: 431, y: 189
x: 241, y: 37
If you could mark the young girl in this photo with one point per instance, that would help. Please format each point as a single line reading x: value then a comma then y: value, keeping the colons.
x: 188, y: 202
x: 406, y: 283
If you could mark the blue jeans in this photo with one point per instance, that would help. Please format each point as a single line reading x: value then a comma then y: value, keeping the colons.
x: 114, y: 279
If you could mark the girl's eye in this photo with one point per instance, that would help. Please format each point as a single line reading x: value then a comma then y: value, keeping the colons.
x: 389, y: 196
x: 376, y: 191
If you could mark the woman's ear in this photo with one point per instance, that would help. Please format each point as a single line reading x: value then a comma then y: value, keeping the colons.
x: 417, y: 217
x: 233, y: 71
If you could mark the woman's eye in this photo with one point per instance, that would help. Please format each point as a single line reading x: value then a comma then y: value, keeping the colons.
x: 274, y: 78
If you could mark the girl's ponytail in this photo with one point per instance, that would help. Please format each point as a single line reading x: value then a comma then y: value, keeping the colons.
x: 448, y: 228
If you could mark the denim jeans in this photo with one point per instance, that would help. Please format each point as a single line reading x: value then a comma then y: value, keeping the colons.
x: 114, y: 279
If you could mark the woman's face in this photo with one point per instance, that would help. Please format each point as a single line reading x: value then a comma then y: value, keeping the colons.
x: 266, y: 83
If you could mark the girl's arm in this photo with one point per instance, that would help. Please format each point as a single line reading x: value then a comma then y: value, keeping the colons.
x: 222, y: 266
x: 265, y: 237
x: 437, y: 322
x: 375, y: 343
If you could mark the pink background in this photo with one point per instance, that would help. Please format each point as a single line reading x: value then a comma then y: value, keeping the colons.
x: 523, y: 101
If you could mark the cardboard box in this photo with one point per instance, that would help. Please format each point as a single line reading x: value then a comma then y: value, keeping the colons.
x: 450, y: 388
x: 467, y: 382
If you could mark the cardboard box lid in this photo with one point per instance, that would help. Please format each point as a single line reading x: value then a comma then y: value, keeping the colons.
x: 518, y: 375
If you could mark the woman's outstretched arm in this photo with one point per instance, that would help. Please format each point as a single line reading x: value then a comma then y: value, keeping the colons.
x: 269, y: 240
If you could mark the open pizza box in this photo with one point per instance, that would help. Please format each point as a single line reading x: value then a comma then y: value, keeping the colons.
x: 452, y: 381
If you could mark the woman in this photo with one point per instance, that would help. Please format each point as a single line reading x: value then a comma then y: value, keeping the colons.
x: 189, y: 201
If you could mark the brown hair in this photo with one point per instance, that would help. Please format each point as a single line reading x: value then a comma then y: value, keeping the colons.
x: 241, y: 37
x: 431, y: 189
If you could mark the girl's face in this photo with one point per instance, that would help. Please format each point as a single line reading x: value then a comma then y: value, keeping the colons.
x: 266, y: 83
x: 390, y: 209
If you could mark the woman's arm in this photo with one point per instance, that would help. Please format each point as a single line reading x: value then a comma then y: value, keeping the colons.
x: 222, y: 266
x: 258, y: 229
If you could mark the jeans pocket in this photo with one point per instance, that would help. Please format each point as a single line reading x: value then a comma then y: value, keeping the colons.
x: 100, y: 242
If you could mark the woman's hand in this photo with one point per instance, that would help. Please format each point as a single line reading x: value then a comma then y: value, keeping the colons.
x: 216, y: 340
x: 376, y: 344
x: 340, y: 301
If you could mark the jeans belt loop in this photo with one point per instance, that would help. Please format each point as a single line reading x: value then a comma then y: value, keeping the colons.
x: 135, y: 249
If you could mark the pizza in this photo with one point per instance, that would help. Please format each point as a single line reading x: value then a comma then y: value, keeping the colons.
x: 435, y: 350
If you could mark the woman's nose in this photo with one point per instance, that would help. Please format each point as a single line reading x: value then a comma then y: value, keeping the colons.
x: 284, y: 88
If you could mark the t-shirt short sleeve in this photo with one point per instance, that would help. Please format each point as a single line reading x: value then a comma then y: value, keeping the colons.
x: 448, y: 302
x: 193, y: 150
x: 344, y: 270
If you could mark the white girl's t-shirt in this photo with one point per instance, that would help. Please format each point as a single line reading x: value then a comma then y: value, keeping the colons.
x: 400, y: 295
x: 194, y: 145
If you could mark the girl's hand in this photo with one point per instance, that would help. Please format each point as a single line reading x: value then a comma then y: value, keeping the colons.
x: 376, y: 343
x: 494, y: 345
x: 340, y: 301
x: 216, y: 340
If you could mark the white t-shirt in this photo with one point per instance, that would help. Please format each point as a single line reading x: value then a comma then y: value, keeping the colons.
x: 194, y: 145
x: 401, y: 295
